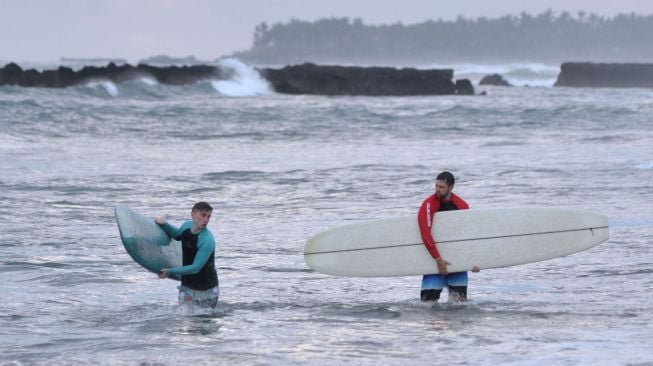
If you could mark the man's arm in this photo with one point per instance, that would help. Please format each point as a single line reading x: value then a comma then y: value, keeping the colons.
x: 172, y: 231
x: 424, y: 220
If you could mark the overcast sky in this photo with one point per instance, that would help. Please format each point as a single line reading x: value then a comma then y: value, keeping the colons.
x: 46, y: 30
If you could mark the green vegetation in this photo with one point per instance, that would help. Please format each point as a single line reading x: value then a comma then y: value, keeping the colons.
x: 547, y: 37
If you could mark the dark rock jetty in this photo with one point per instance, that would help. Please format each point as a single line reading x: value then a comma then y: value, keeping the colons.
x: 62, y: 77
x: 375, y: 81
x: 299, y: 79
x: 610, y: 75
x: 494, y: 79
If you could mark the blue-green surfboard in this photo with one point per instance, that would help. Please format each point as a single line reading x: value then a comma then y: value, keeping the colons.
x: 146, y: 242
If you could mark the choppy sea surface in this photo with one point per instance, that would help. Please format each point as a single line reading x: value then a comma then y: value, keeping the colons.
x: 279, y: 169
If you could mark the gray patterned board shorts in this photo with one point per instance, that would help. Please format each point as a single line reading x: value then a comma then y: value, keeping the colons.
x: 203, y: 299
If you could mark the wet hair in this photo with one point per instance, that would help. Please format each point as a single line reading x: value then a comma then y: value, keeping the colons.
x: 202, y: 206
x: 447, y: 177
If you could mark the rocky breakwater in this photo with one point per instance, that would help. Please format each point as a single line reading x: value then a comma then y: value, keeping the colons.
x: 494, y: 79
x: 62, y: 77
x: 373, y: 81
x: 300, y: 79
x: 610, y: 75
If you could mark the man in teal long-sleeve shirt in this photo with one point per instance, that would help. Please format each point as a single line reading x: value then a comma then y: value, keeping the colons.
x: 199, y: 279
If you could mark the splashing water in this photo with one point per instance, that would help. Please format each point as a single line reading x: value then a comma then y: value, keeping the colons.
x: 246, y: 80
x: 149, y: 81
x: 109, y: 86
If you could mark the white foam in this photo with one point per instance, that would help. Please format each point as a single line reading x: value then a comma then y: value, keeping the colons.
x: 246, y: 81
x: 644, y: 166
x: 148, y: 81
x: 518, y: 74
x: 109, y: 86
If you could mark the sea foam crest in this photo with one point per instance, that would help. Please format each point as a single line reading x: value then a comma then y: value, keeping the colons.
x: 149, y: 81
x: 644, y: 166
x: 518, y: 74
x: 246, y: 81
x: 109, y: 86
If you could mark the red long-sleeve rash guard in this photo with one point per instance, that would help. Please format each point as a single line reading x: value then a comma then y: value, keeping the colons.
x: 430, y: 206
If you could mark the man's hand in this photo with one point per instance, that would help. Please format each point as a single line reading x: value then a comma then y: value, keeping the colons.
x: 475, y: 269
x: 442, y: 265
x: 163, y: 273
x: 160, y: 221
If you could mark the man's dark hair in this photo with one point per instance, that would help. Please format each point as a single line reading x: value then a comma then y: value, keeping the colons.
x: 447, y: 177
x: 202, y: 206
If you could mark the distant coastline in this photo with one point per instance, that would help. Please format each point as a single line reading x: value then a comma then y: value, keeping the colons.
x: 547, y: 37
x: 92, y: 60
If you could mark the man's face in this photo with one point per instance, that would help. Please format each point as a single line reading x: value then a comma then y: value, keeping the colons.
x: 442, y: 189
x: 201, y: 218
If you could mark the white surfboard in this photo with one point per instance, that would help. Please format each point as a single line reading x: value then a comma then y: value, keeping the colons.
x: 488, y: 238
x: 146, y: 242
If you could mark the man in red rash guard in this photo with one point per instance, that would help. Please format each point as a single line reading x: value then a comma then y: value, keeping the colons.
x: 442, y: 200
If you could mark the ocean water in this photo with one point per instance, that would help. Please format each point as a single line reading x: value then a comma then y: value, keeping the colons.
x: 279, y: 169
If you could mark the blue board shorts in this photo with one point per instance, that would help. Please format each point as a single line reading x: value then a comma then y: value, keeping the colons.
x: 438, y: 281
x: 203, y: 299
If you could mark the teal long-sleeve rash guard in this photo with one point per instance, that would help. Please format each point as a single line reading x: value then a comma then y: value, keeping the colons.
x: 205, y: 247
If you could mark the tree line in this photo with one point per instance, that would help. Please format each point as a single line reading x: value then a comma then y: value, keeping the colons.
x: 546, y: 37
